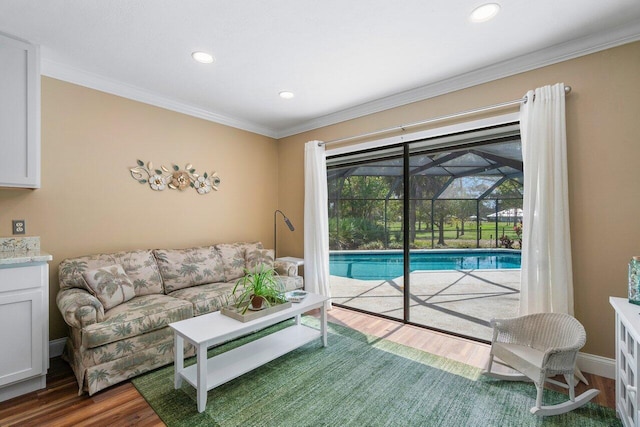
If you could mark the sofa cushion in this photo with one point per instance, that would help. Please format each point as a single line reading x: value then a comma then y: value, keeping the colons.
x: 135, y: 317
x: 233, y: 258
x: 206, y: 298
x: 142, y: 269
x: 258, y: 259
x: 290, y: 283
x: 140, y: 266
x: 183, y: 268
x: 110, y: 285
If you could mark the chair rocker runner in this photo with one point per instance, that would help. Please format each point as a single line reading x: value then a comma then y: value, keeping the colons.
x: 540, y: 346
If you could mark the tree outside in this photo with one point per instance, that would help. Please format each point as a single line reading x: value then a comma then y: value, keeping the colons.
x: 366, y: 212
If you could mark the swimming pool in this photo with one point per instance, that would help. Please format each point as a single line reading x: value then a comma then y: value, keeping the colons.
x: 386, y: 265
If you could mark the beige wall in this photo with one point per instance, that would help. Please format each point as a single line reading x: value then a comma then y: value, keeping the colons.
x: 603, y: 132
x: 89, y: 202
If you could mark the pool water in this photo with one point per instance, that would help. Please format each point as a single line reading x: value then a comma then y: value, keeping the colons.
x: 389, y: 265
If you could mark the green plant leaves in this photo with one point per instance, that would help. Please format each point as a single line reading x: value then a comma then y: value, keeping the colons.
x: 260, y: 282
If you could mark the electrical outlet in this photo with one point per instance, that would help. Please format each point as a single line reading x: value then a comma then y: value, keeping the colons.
x: 19, y: 226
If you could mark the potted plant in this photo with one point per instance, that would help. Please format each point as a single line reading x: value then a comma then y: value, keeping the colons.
x: 258, y: 287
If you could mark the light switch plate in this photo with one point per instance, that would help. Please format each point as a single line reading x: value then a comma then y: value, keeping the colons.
x: 19, y: 226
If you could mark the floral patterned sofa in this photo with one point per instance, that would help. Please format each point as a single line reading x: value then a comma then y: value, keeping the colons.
x: 118, y: 306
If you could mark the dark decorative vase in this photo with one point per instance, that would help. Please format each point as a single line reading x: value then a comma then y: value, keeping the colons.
x: 257, y: 302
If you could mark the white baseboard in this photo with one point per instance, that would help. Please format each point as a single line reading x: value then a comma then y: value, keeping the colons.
x: 598, y: 365
x: 22, y: 387
x: 56, y: 347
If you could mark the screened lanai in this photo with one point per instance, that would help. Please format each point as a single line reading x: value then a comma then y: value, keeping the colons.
x: 473, y: 189
x: 463, y: 193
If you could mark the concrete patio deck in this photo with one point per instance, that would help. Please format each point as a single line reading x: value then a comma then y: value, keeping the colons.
x: 458, y: 301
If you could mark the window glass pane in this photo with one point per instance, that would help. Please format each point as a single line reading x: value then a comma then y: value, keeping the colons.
x: 470, y: 187
x: 365, y: 218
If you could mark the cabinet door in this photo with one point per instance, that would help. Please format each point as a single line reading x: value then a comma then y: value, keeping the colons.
x: 626, y: 372
x: 21, y: 335
x: 19, y: 114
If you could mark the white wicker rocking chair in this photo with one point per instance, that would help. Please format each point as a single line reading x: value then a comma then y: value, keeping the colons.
x: 541, y: 346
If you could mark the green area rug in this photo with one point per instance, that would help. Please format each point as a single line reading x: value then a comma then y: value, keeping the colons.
x: 358, y: 380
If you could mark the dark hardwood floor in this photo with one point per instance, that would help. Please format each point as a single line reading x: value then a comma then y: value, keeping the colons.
x: 60, y: 405
x: 122, y: 405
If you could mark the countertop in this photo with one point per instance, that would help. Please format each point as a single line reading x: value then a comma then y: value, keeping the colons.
x: 23, y: 257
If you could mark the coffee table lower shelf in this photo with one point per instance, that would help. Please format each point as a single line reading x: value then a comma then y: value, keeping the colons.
x: 233, y: 363
x: 215, y: 328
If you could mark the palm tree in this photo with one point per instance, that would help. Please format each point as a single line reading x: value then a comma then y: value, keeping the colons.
x: 189, y: 270
x: 73, y: 267
x: 111, y: 280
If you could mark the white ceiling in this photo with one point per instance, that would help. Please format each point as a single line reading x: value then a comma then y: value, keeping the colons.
x: 341, y: 58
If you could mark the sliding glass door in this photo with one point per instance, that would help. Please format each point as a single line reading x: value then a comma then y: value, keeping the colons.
x: 463, y: 272
x: 366, y: 223
x: 448, y: 258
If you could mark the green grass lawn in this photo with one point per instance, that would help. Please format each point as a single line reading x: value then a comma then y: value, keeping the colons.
x: 454, y: 237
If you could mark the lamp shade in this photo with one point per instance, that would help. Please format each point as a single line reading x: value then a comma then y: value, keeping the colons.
x: 275, y: 228
x: 286, y: 221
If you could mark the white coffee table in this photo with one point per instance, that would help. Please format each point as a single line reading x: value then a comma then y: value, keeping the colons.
x: 215, y: 328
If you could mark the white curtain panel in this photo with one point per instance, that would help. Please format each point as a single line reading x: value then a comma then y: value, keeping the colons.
x: 547, y: 278
x: 316, y: 220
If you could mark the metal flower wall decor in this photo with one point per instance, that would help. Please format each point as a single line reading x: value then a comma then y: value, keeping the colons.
x: 175, y: 178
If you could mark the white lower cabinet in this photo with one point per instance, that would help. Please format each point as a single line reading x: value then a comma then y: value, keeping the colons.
x: 627, y: 339
x: 24, y: 328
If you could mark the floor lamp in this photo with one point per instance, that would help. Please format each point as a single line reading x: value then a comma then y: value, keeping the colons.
x: 286, y: 221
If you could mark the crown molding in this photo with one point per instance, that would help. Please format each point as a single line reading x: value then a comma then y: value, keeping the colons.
x: 80, y: 77
x: 541, y: 58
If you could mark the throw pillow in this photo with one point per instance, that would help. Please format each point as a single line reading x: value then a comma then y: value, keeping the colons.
x: 233, y: 255
x: 142, y: 269
x: 258, y: 259
x: 110, y: 285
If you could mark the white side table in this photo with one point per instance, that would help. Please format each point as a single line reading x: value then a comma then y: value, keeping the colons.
x: 296, y: 261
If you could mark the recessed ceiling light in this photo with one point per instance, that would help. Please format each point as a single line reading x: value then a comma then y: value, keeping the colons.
x: 285, y: 94
x: 485, y: 12
x: 202, y: 57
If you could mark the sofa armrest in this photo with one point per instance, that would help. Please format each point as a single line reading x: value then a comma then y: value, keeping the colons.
x: 79, y: 308
x: 285, y: 268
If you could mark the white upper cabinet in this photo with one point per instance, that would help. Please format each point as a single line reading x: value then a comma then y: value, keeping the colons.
x: 19, y: 114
